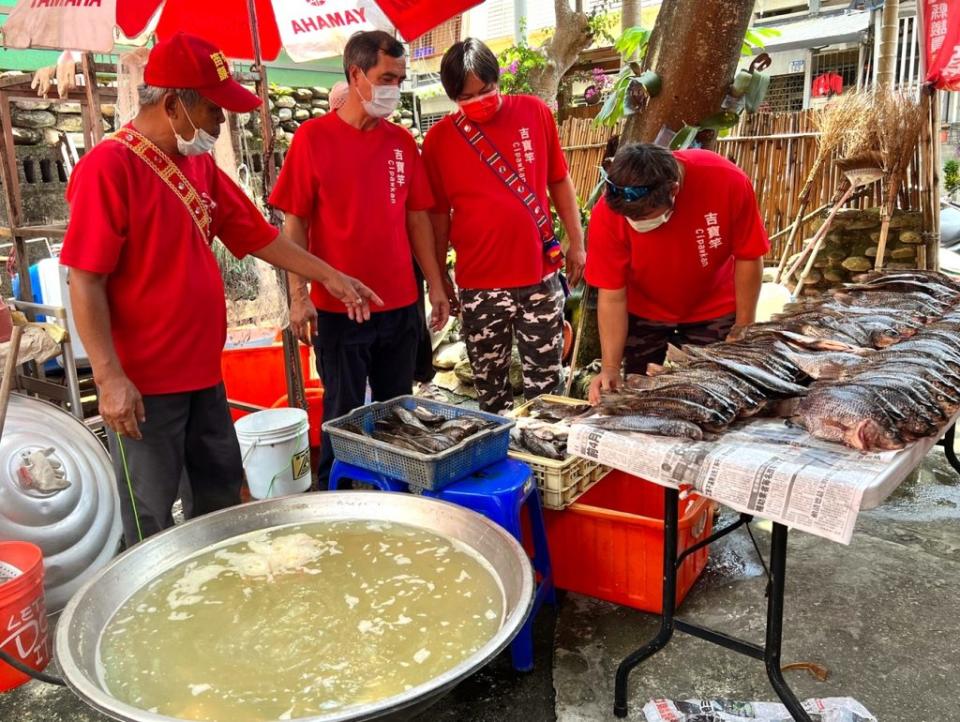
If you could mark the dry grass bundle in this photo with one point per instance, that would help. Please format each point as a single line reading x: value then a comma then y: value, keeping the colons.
x: 898, y: 121
x: 843, y: 124
x: 846, y: 128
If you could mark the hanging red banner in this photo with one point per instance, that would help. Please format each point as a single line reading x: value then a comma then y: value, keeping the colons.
x: 415, y: 17
x: 941, y: 22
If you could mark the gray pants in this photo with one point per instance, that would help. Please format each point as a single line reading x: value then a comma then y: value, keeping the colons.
x: 492, y: 318
x: 188, y: 435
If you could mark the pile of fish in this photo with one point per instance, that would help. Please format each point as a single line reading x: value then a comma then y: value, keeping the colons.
x: 544, y: 429
x: 883, y: 356
x: 705, y: 389
x: 884, y: 399
x: 419, y: 429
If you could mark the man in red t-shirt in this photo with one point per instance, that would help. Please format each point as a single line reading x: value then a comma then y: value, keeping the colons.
x: 147, y: 297
x: 510, y: 288
x: 676, y: 249
x: 354, y: 191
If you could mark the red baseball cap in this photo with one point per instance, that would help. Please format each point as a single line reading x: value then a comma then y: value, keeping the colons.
x: 186, y: 61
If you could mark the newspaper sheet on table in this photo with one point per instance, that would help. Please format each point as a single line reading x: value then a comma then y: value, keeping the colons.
x: 762, y: 467
x: 829, y: 709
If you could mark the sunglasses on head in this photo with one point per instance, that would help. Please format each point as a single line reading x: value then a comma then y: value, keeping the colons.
x: 628, y: 193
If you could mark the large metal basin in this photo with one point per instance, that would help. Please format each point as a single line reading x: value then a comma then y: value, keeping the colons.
x: 86, y: 615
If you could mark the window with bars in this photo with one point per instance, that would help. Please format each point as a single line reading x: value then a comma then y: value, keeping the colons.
x: 839, y: 62
x: 499, y: 18
x: 429, y: 120
x: 435, y: 42
x: 785, y: 94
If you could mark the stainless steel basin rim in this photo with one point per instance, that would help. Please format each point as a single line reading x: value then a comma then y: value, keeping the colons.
x: 87, y: 613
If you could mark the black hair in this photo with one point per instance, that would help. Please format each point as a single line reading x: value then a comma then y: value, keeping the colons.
x: 643, y: 164
x: 364, y: 48
x: 467, y: 56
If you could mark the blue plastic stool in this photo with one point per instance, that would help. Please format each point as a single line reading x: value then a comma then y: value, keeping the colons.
x: 342, y: 470
x: 500, y: 492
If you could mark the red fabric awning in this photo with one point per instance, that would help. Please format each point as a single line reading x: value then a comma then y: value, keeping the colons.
x: 225, y: 22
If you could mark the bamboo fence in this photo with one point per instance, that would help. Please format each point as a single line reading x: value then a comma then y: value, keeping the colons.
x: 777, y: 151
x: 583, y: 142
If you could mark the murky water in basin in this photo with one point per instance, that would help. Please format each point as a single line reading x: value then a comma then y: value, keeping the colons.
x: 299, y: 621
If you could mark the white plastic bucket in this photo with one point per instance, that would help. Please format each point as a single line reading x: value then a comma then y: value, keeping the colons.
x: 276, y: 451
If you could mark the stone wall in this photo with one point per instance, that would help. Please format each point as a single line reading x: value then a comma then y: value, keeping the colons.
x: 37, y: 125
x: 289, y: 107
x: 851, y: 247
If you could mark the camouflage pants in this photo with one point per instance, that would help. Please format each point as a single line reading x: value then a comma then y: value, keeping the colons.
x: 492, y: 318
x: 647, y: 340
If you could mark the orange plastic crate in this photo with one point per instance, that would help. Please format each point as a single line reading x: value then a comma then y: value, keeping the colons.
x: 314, y: 412
x: 609, y: 544
x: 255, y: 375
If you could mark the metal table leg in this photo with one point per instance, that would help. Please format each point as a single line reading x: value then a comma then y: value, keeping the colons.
x: 947, y: 442
x: 769, y: 653
x: 778, y: 572
x: 670, y: 519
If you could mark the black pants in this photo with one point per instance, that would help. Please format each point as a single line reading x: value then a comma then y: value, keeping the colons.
x: 185, y: 435
x: 424, y: 371
x: 382, y: 350
x: 647, y: 340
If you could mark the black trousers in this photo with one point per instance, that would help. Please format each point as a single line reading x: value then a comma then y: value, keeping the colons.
x: 647, y: 340
x: 382, y: 351
x: 190, y: 436
x: 424, y: 371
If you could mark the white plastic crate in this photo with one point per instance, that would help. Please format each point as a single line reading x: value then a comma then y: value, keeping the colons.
x: 560, y: 482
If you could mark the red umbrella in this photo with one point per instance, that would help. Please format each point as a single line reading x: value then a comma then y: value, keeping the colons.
x: 225, y: 23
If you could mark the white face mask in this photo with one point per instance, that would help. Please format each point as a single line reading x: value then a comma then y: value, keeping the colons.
x: 649, y: 224
x: 202, y: 142
x: 384, y: 99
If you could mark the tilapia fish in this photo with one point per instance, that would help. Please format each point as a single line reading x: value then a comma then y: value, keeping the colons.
x: 657, y: 425
x: 848, y: 416
x: 541, y: 438
x: 553, y: 412
x: 421, y: 430
x: 824, y: 364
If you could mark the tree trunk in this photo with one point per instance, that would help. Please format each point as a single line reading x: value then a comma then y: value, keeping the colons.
x: 571, y: 37
x: 889, y: 37
x: 629, y: 14
x: 695, y: 49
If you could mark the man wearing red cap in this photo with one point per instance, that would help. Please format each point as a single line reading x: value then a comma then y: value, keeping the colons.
x: 146, y: 290
x: 354, y: 189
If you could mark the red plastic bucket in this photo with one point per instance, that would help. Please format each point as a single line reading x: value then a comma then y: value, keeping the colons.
x: 23, y: 614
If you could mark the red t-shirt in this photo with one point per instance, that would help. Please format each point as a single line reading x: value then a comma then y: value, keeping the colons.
x: 496, y: 239
x: 168, y: 317
x: 682, y: 272
x: 354, y: 188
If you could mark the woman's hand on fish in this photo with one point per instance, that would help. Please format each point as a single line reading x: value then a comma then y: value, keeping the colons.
x: 354, y: 295
x: 607, y: 381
